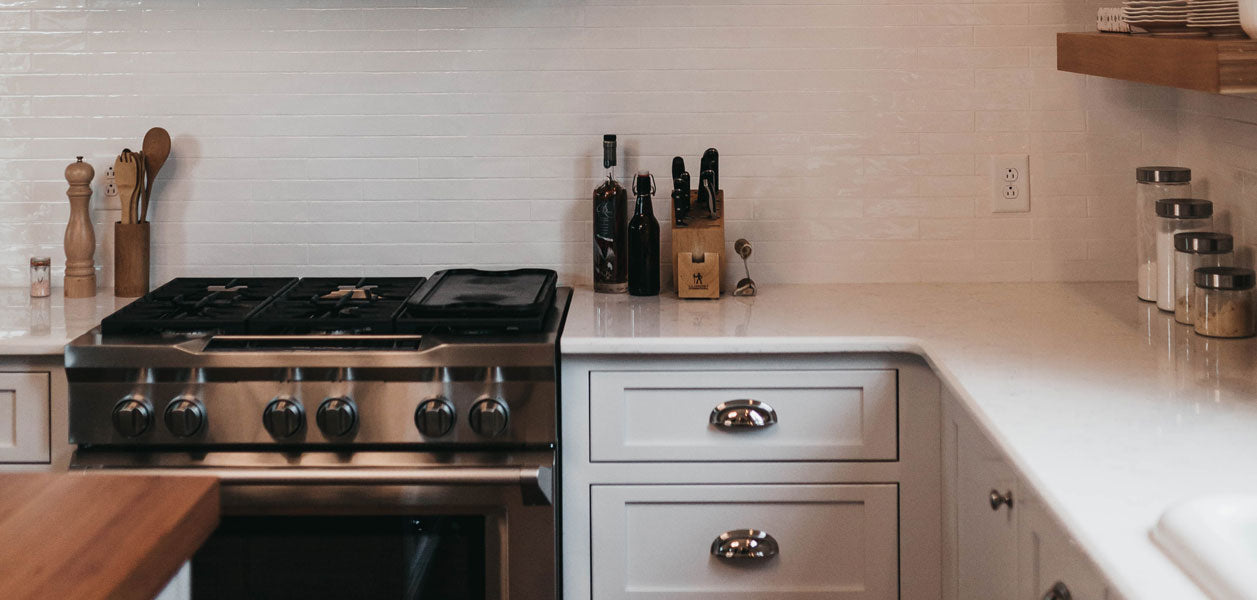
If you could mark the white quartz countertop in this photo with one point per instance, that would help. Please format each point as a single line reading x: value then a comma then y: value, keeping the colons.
x: 37, y: 326
x: 1110, y: 410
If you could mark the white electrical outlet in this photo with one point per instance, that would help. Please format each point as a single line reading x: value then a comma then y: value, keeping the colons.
x: 1010, y: 181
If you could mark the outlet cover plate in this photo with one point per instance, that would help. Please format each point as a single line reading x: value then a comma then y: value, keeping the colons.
x: 1010, y: 183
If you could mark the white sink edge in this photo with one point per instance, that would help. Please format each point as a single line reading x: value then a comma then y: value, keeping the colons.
x: 1194, y: 535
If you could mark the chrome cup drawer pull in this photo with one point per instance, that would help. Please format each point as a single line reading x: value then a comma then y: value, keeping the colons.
x: 743, y: 414
x: 744, y: 543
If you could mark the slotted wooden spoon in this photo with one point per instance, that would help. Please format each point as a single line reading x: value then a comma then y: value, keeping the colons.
x: 125, y: 172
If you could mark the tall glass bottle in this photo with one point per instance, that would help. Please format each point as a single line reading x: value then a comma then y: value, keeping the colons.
x: 643, y: 240
x: 610, y: 228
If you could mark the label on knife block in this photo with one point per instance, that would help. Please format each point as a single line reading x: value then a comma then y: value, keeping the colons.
x: 698, y: 279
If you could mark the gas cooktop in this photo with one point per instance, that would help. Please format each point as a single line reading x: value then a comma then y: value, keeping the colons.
x: 465, y: 358
x: 455, y: 300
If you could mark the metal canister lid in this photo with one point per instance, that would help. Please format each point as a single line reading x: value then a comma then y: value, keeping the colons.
x: 1204, y: 242
x: 41, y: 261
x: 1184, y: 208
x: 1163, y: 174
x: 1225, y: 278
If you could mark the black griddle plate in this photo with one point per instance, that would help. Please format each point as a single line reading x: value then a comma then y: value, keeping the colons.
x: 471, y: 300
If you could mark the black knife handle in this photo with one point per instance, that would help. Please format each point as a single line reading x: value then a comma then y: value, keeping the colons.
x: 711, y: 162
x: 707, y: 192
x: 678, y: 167
x: 680, y: 205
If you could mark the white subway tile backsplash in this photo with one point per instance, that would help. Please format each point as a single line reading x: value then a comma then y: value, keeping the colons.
x: 400, y: 136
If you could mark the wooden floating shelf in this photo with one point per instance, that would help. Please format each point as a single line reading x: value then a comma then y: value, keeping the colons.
x: 1215, y: 65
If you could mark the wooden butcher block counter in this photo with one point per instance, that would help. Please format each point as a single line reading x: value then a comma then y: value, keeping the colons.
x: 87, y: 536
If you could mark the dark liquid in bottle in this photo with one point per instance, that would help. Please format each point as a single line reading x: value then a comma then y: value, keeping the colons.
x: 643, y: 242
x: 610, y: 228
x: 610, y: 238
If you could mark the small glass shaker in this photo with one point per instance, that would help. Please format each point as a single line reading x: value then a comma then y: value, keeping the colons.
x: 41, y: 277
x: 1194, y: 250
x: 1223, y: 302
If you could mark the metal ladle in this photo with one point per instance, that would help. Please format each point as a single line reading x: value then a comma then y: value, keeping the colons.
x: 746, y: 285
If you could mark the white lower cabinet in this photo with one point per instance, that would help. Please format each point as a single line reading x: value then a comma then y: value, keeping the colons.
x: 24, y: 417
x: 827, y: 541
x: 1052, y: 566
x: 830, y: 460
x: 1002, y: 542
x: 986, y: 510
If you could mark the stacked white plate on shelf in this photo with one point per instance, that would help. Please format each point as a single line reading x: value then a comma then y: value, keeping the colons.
x: 1157, y: 16
x: 1218, y: 17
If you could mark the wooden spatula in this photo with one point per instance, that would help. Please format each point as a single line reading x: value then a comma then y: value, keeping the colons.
x: 125, y: 174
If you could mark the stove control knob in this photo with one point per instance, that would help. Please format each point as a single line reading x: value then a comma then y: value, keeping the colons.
x: 185, y: 416
x: 283, y: 417
x: 132, y: 417
x: 337, y: 416
x: 489, y: 417
x: 434, y: 417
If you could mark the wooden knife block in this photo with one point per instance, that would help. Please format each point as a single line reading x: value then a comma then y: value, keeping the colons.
x: 697, y: 277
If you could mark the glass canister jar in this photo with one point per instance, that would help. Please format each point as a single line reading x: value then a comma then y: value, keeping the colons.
x: 1222, y: 302
x: 41, y: 276
x: 1152, y: 184
x: 1176, y: 215
x: 1195, y: 250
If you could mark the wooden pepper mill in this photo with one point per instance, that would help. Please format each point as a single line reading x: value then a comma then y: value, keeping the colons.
x: 80, y: 238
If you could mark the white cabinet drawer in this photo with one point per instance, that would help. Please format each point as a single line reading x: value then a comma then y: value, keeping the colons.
x: 820, y: 415
x: 837, y: 542
x: 24, y: 423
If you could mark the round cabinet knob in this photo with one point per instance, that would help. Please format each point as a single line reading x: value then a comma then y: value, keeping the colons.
x: 132, y: 417
x: 185, y: 416
x: 1058, y: 591
x: 434, y: 417
x: 283, y: 417
x: 998, y: 499
x: 489, y: 417
x: 337, y: 416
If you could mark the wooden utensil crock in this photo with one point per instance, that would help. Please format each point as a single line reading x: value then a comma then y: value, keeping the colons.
x: 130, y: 259
x: 80, y: 238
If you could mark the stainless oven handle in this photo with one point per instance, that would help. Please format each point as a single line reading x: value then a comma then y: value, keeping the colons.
x: 536, y: 483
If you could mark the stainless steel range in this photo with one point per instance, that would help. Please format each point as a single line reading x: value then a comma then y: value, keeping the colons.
x: 377, y: 437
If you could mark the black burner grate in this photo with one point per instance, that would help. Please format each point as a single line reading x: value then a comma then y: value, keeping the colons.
x: 196, y: 305
x: 336, y: 305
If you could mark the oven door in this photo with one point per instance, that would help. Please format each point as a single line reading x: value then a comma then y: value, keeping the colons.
x: 370, y: 525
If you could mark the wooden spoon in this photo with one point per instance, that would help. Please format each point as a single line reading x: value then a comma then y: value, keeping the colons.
x: 156, y: 150
x: 124, y: 172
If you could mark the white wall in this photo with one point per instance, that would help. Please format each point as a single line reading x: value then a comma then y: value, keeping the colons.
x: 1218, y: 139
x: 378, y: 136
